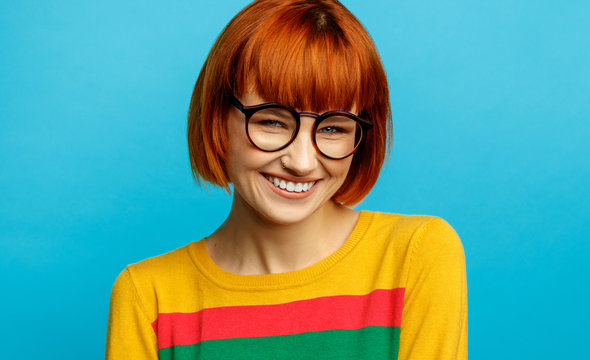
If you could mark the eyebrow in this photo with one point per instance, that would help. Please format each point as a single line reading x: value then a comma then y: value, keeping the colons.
x: 339, y: 119
x: 278, y: 113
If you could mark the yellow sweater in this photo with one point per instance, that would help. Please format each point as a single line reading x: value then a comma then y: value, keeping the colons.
x: 395, y: 290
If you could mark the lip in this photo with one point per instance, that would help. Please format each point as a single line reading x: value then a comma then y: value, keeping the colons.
x: 291, y: 177
x: 290, y: 194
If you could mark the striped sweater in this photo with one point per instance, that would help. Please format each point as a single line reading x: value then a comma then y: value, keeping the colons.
x: 395, y: 290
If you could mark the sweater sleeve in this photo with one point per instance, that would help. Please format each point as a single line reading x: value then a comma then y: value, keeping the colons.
x: 434, y: 320
x: 129, y: 331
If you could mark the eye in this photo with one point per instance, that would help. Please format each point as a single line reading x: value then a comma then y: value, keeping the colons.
x: 272, y: 120
x: 337, y: 126
x: 332, y: 130
x: 270, y: 123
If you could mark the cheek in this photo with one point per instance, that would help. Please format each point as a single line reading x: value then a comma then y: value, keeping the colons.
x: 236, y: 147
x: 344, y: 166
x: 338, y: 171
x: 236, y: 161
x: 243, y: 160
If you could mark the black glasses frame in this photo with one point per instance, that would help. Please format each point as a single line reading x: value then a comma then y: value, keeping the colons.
x: 248, y: 111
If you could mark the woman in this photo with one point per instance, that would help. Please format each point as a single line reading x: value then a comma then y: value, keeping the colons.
x: 292, y: 108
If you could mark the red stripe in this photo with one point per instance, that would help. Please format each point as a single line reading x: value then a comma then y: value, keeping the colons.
x: 344, y: 312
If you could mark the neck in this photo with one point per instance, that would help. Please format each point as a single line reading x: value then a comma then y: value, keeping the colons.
x: 249, y: 244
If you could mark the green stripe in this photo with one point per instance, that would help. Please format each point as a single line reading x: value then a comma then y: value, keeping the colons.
x: 373, y: 342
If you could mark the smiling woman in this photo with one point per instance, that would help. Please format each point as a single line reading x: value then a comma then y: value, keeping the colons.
x: 292, y: 108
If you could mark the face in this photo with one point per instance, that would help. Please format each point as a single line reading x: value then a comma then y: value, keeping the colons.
x: 285, y: 186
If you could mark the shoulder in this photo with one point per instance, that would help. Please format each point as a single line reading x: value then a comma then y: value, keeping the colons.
x: 165, y: 263
x: 412, y: 227
x: 418, y: 235
x: 397, y: 222
x: 156, y: 271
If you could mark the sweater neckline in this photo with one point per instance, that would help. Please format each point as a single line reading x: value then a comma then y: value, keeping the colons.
x: 224, y: 279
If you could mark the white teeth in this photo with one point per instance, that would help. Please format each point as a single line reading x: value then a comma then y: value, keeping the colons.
x: 291, y: 186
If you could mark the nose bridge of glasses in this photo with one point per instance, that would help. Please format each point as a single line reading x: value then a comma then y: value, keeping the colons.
x: 308, y: 114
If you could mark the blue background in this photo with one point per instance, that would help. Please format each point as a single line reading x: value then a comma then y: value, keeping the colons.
x: 491, y: 105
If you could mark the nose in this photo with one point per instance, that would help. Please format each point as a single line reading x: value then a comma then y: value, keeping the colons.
x: 300, y: 157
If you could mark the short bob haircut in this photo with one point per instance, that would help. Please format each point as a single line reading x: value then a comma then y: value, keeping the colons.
x: 311, y: 55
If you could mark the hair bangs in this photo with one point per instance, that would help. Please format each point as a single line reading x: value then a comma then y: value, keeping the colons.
x: 292, y: 61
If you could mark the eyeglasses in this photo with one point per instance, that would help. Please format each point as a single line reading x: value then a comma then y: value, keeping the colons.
x: 272, y: 127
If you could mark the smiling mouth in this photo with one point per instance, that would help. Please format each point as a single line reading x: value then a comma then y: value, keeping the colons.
x: 296, y: 187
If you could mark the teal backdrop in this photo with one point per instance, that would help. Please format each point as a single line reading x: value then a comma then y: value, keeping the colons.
x: 491, y: 106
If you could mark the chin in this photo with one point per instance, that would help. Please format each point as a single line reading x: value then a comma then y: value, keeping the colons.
x: 281, y: 216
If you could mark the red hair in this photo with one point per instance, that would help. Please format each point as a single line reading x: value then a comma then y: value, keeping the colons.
x: 312, y: 55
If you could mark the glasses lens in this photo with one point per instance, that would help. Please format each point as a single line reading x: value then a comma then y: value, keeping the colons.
x: 337, y: 136
x: 271, y: 128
